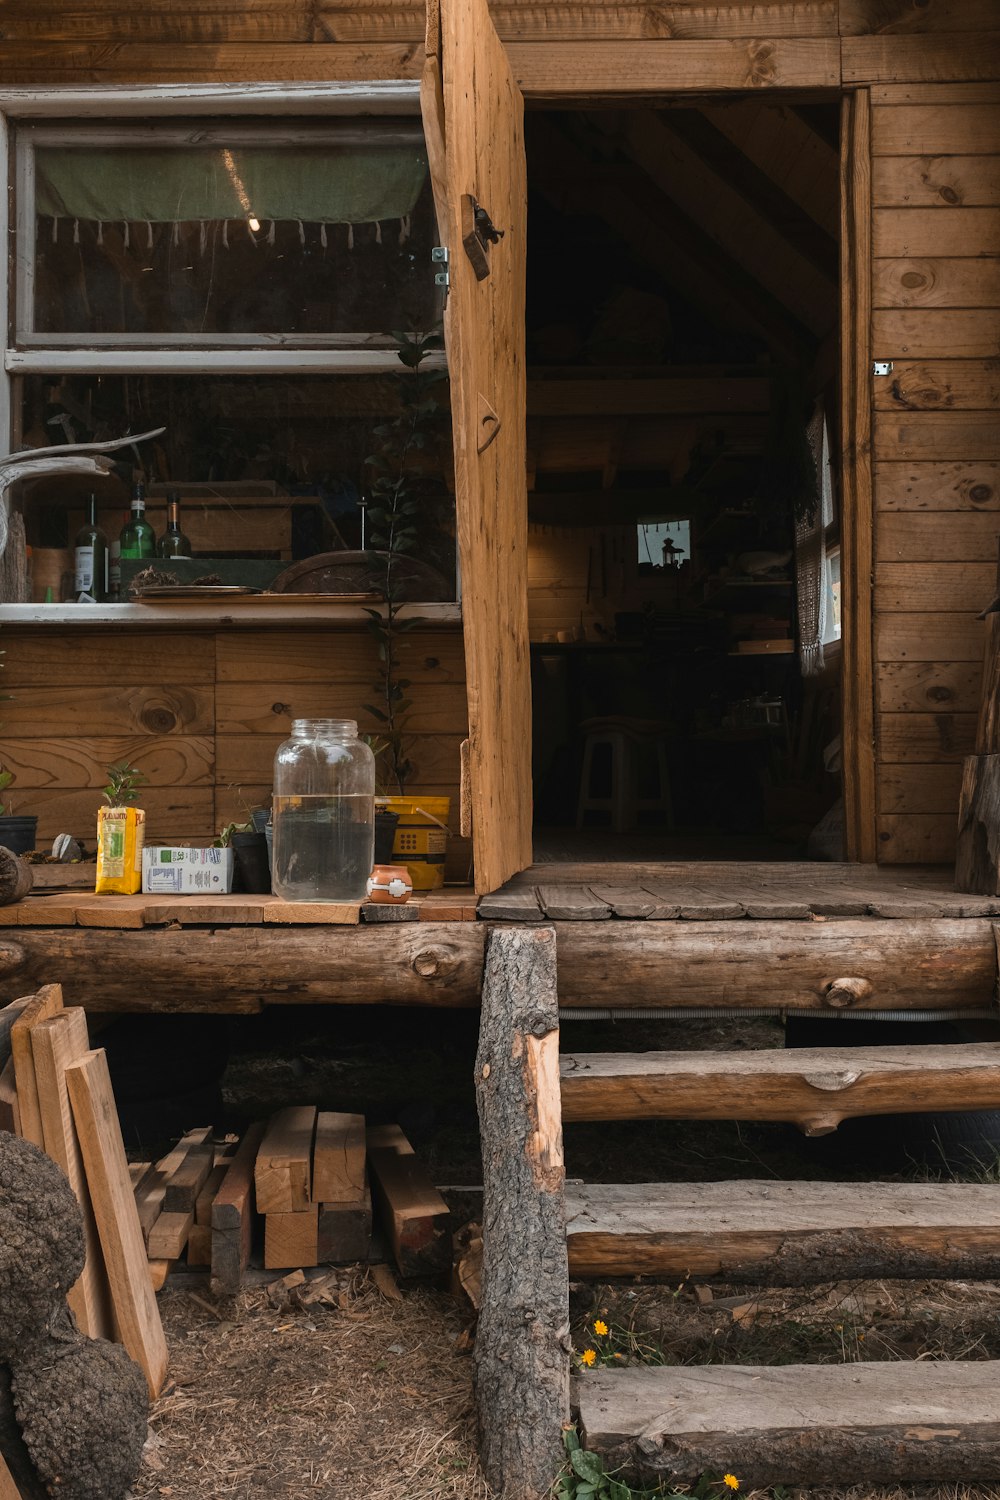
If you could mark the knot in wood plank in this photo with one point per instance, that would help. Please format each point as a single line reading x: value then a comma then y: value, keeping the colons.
x: 436, y: 961
x: 841, y: 993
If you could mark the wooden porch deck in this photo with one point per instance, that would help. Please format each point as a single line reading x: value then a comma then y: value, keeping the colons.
x: 693, y: 891
x: 817, y: 937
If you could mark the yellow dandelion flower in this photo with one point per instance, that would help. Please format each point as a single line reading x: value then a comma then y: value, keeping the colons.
x: 731, y: 1481
x: 601, y: 1328
x: 588, y: 1357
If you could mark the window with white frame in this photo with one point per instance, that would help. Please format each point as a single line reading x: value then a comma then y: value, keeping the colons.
x: 255, y: 286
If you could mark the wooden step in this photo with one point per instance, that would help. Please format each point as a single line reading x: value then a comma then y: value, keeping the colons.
x: 813, y: 1087
x: 784, y: 1232
x: 798, y: 1424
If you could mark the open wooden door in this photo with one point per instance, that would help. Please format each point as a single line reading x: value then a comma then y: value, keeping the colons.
x: 473, y: 121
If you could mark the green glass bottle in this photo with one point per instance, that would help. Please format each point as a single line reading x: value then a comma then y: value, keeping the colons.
x: 173, y: 542
x: 138, y: 537
x: 91, y: 559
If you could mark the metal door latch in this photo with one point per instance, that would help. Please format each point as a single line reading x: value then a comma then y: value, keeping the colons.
x: 882, y: 367
x: 478, y: 234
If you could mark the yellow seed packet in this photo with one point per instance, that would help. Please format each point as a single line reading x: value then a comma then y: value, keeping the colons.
x: 121, y: 833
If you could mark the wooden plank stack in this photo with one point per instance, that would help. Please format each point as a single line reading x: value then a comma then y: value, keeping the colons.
x: 311, y: 1179
x: 58, y: 1095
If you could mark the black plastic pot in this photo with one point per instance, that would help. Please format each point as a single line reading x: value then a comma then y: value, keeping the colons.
x: 18, y: 834
x: 250, y: 870
x: 386, y: 823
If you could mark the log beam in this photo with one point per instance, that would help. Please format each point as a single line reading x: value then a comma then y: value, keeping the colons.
x: 784, y: 1233
x: 925, y: 962
x: 522, y: 1343
x: 867, y: 1423
x: 814, y: 1088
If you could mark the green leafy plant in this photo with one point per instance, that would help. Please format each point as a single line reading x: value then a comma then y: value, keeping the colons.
x: 398, y: 490
x: 246, y: 825
x: 586, y: 1478
x: 123, y: 785
x: 226, y: 834
x: 6, y: 777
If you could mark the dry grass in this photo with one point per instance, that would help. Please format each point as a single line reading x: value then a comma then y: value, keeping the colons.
x: 351, y: 1398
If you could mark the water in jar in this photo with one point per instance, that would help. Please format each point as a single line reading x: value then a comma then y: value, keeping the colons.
x: 324, y: 846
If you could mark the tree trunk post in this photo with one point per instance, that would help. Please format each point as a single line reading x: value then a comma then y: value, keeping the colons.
x: 977, y: 857
x: 522, y: 1344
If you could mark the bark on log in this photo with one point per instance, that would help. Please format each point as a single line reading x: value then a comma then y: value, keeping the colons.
x: 922, y: 963
x: 522, y: 1345
x: 16, y: 878
x: 240, y: 968
x: 866, y: 1423
x: 977, y: 856
x: 784, y: 1233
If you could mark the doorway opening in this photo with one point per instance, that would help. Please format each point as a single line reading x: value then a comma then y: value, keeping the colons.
x: 683, y: 478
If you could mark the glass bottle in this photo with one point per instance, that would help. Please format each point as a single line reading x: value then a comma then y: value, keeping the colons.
x: 173, y: 542
x: 323, y: 812
x: 115, y: 561
x: 138, y: 537
x: 90, y: 583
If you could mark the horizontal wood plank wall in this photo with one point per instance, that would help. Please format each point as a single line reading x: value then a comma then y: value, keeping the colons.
x: 201, y: 714
x: 936, y: 315
x: 557, y: 50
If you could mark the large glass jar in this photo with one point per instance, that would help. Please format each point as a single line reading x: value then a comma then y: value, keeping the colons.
x: 323, y: 813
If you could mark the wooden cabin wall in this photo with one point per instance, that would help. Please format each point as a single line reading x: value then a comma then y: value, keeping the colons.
x: 937, y: 306
x: 556, y: 49
x: 201, y: 712
x: 936, y: 315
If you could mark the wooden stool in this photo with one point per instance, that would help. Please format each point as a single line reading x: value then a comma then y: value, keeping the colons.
x: 625, y: 740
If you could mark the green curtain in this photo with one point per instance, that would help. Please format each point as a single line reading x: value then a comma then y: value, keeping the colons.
x: 319, y: 185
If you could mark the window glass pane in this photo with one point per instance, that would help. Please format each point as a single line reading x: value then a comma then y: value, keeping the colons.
x: 192, y: 241
x: 270, y: 472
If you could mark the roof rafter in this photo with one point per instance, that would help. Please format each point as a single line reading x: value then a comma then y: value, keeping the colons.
x: 663, y: 237
x: 726, y: 219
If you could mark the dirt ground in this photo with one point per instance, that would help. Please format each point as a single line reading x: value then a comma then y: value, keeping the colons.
x: 353, y: 1397
x: 350, y: 1397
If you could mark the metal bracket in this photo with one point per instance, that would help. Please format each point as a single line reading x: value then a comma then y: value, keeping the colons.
x: 442, y: 278
x: 882, y: 367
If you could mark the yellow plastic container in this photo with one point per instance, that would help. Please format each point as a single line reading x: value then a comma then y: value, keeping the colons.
x: 421, y: 841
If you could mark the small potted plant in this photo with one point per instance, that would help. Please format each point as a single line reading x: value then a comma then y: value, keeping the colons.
x: 251, y: 871
x: 17, y: 833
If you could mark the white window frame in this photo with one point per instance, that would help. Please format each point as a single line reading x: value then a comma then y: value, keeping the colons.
x: 224, y: 356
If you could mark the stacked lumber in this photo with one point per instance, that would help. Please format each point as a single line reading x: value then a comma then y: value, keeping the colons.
x: 311, y: 1183
x: 315, y: 1178
x: 56, y: 1092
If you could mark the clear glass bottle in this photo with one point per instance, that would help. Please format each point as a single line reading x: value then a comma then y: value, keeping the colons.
x: 323, y: 812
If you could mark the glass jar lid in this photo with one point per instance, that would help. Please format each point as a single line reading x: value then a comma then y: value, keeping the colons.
x: 315, y: 729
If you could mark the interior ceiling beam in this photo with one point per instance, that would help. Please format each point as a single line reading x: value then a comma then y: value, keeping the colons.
x: 664, y: 239
x: 781, y: 145
x: 724, y: 217
x: 729, y: 162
